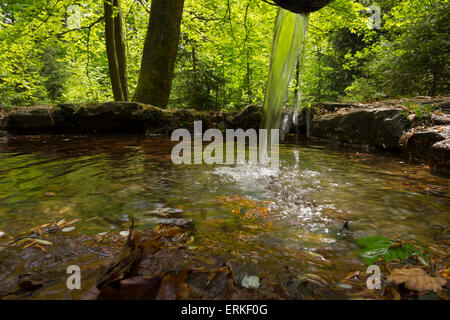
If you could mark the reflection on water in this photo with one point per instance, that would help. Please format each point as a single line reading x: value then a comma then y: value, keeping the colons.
x: 253, y: 212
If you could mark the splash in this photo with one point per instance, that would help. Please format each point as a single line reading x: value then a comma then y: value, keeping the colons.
x: 289, y: 41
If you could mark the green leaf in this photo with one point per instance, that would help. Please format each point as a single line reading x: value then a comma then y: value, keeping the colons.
x: 375, y: 247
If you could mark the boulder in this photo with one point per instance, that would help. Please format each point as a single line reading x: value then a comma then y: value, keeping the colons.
x: 380, y: 127
x: 250, y: 117
x: 444, y: 106
x: 418, y: 141
x: 29, y: 120
x: 440, y: 157
x: 440, y: 119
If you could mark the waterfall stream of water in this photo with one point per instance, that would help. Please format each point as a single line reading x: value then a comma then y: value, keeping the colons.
x: 289, y: 40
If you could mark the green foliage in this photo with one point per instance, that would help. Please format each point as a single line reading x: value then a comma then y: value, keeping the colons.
x: 374, y: 248
x: 54, y: 72
x: 422, y: 112
x: 412, y: 54
x: 47, y: 58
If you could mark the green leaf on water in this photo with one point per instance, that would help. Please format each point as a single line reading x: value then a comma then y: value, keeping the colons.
x: 375, y: 247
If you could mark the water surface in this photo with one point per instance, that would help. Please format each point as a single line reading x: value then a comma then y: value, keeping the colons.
x: 266, y: 217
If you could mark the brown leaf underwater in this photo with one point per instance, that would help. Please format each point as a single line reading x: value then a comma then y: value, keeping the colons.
x: 417, y: 279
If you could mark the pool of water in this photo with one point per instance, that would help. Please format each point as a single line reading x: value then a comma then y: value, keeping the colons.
x: 279, y: 219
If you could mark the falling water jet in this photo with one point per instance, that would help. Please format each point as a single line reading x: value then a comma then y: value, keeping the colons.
x: 291, y: 29
x: 289, y: 40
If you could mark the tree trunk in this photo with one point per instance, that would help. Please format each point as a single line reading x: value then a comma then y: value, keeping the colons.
x: 248, y: 78
x: 195, y: 80
x: 121, y: 50
x: 111, y: 51
x: 160, y: 51
x: 297, y: 82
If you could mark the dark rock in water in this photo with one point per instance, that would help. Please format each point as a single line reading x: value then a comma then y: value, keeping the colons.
x: 440, y: 120
x: 381, y: 127
x: 298, y: 288
x: 182, y: 222
x: 345, y: 226
x: 418, y: 141
x: 440, y: 157
x: 30, y: 120
x: 164, y: 212
x: 302, y: 6
x: 248, y: 118
x: 173, y: 210
x: 223, y: 125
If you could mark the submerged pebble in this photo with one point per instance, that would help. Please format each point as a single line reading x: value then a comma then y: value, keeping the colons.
x: 2, y: 234
x: 124, y: 233
x: 173, y: 210
x: 175, y: 222
x: 250, y: 282
x: 68, y: 229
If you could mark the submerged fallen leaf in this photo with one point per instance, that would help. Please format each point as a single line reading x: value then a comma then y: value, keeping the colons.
x: 44, y: 242
x: 395, y: 294
x: 344, y: 286
x: 446, y: 273
x: 74, y: 221
x: 33, y: 241
x: 29, y: 244
x: 30, y: 285
x: 315, y: 279
x: 174, y: 286
x: 137, y: 288
x: 316, y: 255
x: 69, y: 229
x: 40, y: 247
x: 417, y: 279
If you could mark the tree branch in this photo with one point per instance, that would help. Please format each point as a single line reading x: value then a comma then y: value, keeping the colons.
x: 89, y: 27
x: 46, y: 19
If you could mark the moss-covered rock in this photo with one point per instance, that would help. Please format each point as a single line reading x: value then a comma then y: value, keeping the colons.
x: 440, y: 157
x: 110, y: 117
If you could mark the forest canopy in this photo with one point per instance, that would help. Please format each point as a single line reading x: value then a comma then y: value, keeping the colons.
x: 54, y: 51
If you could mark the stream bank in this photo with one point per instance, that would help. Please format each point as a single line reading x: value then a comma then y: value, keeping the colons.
x: 386, y: 125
